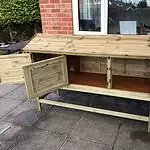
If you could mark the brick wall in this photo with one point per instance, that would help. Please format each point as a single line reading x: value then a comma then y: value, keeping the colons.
x: 56, y: 16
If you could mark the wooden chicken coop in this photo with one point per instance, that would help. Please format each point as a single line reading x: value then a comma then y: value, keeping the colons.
x: 111, y: 65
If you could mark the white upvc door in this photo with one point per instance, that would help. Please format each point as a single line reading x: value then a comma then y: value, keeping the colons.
x: 87, y: 16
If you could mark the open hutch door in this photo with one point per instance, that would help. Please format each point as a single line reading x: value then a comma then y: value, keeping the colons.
x: 45, y: 76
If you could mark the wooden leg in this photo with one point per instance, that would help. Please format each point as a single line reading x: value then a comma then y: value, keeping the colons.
x: 58, y: 92
x: 149, y: 120
x: 38, y: 104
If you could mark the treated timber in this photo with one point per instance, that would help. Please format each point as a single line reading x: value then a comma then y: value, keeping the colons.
x: 149, y: 120
x: 135, y: 50
x: 135, y: 47
x: 11, y: 67
x: 109, y: 73
x: 95, y: 110
x: 45, y: 76
x: 109, y: 92
x: 124, y: 67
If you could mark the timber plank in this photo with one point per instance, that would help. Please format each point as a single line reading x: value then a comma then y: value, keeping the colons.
x: 11, y: 67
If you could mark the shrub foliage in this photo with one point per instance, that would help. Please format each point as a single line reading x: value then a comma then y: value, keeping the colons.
x: 13, y: 12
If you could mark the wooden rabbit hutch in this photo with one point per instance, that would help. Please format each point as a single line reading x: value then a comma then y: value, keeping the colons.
x: 107, y: 65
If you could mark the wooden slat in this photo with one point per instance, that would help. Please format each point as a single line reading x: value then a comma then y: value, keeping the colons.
x: 110, y: 92
x: 11, y: 67
x: 124, y: 67
x: 95, y: 110
x: 137, y: 47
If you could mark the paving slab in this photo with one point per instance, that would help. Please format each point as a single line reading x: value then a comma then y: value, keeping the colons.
x: 9, y: 136
x: 7, y: 105
x: 59, y: 120
x: 133, y: 135
x: 4, y: 126
x: 7, y: 88
x: 19, y: 93
x: 36, y: 139
x: 98, y: 128
x: 24, y: 115
x: 76, y: 143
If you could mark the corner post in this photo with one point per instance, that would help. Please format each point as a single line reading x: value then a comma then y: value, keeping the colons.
x: 149, y: 119
x: 109, y: 72
x: 38, y: 104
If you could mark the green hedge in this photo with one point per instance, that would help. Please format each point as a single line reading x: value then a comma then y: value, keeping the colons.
x: 18, y: 12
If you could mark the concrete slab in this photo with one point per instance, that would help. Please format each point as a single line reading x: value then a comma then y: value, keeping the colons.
x: 36, y: 139
x: 24, y: 115
x: 133, y: 135
x: 76, y: 143
x: 59, y: 120
x: 4, y: 126
x: 7, y: 88
x: 9, y: 137
x: 98, y: 128
x: 7, y: 105
x: 19, y: 93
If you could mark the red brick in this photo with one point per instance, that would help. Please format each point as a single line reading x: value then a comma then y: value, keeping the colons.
x: 56, y: 16
x: 67, y: 28
x: 55, y: 1
x: 66, y: 19
x: 50, y: 6
x: 65, y: 1
x: 56, y: 28
x: 62, y: 32
x: 43, y: 1
x: 55, y: 10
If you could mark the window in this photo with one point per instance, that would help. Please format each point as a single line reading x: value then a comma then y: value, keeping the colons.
x: 98, y: 17
x: 89, y: 16
x: 129, y: 17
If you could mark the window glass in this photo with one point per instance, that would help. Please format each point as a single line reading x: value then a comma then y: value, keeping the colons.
x: 90, y: 15
x: 129, y: 17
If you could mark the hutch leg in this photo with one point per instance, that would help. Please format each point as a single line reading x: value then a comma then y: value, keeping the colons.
x: 38, y: 104
x: 149, y: 120
x: 58, y: 92
x: 109, y: 73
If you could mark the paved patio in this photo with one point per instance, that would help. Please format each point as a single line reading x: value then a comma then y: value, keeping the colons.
x: 23, y: 128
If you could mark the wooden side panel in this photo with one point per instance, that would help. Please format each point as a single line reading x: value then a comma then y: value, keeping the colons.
x: 45, y: 76
x: 138, y: 68
x: 11, y: 67
x: 125, y: 67
x: 92, y: 64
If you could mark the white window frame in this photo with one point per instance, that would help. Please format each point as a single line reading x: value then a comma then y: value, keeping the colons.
x: 104, y: 19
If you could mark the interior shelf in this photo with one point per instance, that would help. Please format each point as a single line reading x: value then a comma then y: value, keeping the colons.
x: 135, y: 84
x: 91, y: 79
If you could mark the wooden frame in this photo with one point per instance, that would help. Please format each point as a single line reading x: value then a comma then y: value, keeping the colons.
x: 104, y: 20
x: 109, y: 92
x: 95, y: 110
x: 45, y: 76
x: 109, y: 47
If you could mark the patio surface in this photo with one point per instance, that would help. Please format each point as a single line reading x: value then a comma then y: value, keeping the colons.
x: 23, y: 128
